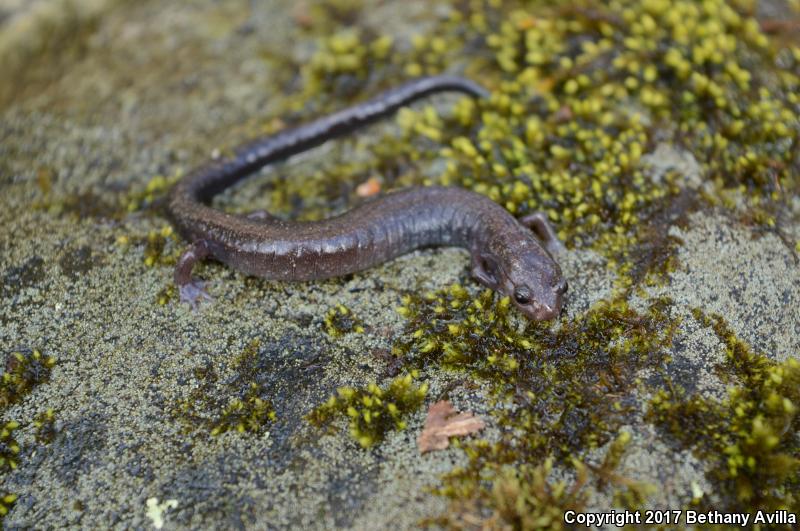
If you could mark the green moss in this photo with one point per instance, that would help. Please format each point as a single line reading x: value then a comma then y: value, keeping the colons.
x: 7, y: 500
x: 249, y: 414
x: 166, y: 294
x: 428, y: 55
x: 748, y: 440
x: 372, y: 411
x: 154, y: 191
x: 342, y: 65
x: 155, y: 245
x: 329, y: 16
x: 520, y: 495
x: 525, y: 498
x: 81, y: 206
x: 339, y: 320
x: 23, y: 372
x: 628, y: 493
x: 9, y: 447
x: 557, y: 383
x: 242, y: 405
x: 159, y: 247
x: 561, y: 391
x: 743, y: 362
x: 45, y: 425
x: 110, y: 205
x: 481, y: 333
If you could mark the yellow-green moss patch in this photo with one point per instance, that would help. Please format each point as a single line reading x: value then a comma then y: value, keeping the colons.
x: 340, y: 320
x: 748, y: 440
x: 23, y: 372
x: 240, y: 403
x: 372, y: 411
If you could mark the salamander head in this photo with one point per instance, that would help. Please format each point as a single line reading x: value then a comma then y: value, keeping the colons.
x: 525, y: 271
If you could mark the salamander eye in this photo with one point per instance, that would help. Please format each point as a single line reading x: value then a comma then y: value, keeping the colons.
x: 562, y: 287
x: 522, y: 296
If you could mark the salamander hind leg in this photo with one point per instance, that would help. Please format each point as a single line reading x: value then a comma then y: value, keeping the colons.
x: 538, y: 223
x: 191, y: 290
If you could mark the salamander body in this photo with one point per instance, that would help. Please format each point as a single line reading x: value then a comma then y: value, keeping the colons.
x: 505, y: 253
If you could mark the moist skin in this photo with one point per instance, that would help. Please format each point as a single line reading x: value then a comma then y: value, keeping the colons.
x: 508, y: 255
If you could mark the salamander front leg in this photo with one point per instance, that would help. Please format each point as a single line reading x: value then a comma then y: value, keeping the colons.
x: 484, y: 268
x: 541, y: 227
x: 190, y: 289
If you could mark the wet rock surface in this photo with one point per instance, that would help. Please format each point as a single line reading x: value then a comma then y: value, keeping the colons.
x: 143, y: 89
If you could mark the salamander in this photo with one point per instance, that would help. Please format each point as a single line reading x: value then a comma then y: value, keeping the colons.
x: 511, y: 256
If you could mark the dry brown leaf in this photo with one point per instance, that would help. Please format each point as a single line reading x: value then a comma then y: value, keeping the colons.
x: 444, y: 422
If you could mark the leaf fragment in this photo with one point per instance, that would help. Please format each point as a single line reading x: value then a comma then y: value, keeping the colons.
x: 444, y: 422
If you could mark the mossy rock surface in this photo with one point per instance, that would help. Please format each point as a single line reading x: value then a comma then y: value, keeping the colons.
x: 674, y: 365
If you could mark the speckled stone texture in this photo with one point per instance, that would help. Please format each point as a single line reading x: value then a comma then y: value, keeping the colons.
x: 124, y: 91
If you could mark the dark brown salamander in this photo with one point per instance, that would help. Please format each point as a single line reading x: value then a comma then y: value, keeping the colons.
x: 506, y: 255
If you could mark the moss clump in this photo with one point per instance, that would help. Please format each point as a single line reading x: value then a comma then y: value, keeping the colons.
x: 324, y: 18
x: 154, y: 247
x: 523, y: 495
x: 372, y: 411
x: 706, y: 69
x: 453, y: 328
x: 23, y: 372
x: 166, y: 294
x: 525, y: 498
x: 110, y: 205
x: 45, y: 426
x: 629, y: 494
x: 82, y: 206
x: 194, y: 410
x: 250, y: 413
x: 428, y: 56
x: 160, y: 247
x: 339, y: 320
x: 9, y: 447
x: 749, y: 439
x: 7, y: 500
x: 343, y: 64
x: 154, y: 191
x: 742, y: 360
x: 562, y: 391
x: 482, y: 334
x: 243, y: 406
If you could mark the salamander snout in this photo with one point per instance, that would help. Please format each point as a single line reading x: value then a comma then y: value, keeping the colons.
x: 537, y: 289
x: 540, y: 310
